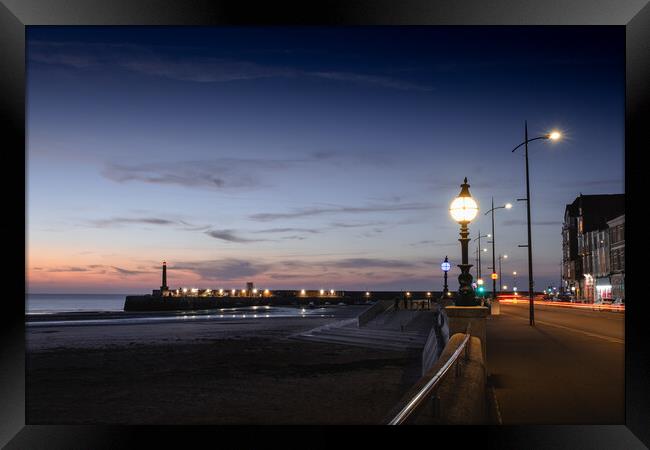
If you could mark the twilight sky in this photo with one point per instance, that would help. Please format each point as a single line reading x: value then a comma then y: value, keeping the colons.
x: 307, y: 157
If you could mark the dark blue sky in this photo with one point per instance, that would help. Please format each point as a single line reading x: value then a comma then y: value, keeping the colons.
x: 325, y: 157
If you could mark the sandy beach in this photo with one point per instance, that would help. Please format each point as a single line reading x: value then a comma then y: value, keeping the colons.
x: 243, y: 371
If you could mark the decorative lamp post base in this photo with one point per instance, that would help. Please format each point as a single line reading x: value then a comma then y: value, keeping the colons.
x: 466, y: 295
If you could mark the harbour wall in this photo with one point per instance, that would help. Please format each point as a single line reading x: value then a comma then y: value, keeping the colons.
x: 279, y: 298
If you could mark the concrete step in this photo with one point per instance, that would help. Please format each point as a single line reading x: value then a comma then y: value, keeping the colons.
x: 394, y: 319
x: 389, y: 342
x: 358, y: 342
x: 383, y: 330
x: 374, y: 338
x: 375, y: 334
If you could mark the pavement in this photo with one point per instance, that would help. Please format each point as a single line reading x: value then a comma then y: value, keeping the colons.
x: 567, y: 369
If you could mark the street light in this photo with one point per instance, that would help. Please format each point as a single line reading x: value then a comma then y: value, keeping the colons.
x: 552, y: 136
x: 478, y: 252
x: 500, y: 257
x: 494, y: 281
x: 463, y: 209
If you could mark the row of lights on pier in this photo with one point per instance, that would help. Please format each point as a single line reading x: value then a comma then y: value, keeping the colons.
x: 322, y: 292
x: 220, y: 291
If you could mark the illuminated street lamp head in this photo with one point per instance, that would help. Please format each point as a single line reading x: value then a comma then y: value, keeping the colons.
x: 464, y: 208
x: 554, y: 135
x: 505, y: 256
x: 508, y: 205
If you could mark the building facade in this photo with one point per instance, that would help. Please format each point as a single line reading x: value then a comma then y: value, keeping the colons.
x: 571, y: 263
x: 586, y: 249
x: 617, y: 256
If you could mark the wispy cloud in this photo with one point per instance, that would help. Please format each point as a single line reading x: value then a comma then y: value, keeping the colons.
x: 128, y: 272
x: 145, y: 60
x: 289, y: 230
x: 150, y: 220
x: 222, y: 270
x: 95, y: 269
x: 514, y: 222
x: 130, y: 220
x: 317, y: 211
x: 379, y: 81
x: 230, y: 236
x: 355, y: 225
x: 362, y: 263
x: 65, y: 269
x: 202, y: 174
x: 215, y: 174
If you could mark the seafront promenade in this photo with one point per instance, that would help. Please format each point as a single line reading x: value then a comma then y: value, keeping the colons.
x: 567, y: 369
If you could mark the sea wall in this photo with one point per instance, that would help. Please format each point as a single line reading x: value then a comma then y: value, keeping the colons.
x: 157, y: 303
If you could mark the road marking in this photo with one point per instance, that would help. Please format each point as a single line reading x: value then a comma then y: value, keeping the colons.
x: 599, y: 336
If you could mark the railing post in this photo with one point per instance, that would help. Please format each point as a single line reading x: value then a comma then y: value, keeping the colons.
x: 435, y: 406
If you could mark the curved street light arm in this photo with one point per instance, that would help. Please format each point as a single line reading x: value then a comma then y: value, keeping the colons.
x: 530, y: 140
x: 495, y: 208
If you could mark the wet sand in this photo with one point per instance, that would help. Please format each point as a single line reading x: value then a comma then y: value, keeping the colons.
x: 237, y: 372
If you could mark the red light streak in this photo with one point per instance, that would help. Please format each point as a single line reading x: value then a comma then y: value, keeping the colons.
x: 512, y: 299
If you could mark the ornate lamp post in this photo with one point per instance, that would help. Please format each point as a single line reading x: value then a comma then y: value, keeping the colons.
x: 463, y: 209
x: 445, y: 266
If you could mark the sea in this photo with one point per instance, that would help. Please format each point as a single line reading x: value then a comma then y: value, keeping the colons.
x: 59, y: 303
x: 53, y: 309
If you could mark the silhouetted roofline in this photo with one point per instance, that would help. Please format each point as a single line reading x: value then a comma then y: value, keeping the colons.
x: 597, y: 209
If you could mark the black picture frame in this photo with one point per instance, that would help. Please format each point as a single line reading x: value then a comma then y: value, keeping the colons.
x: 15, y: 15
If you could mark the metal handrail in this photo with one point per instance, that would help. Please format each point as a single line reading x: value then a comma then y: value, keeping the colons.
x: 424, y: 393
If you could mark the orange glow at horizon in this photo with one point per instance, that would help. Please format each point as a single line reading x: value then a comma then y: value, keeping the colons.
x: 77, y: 274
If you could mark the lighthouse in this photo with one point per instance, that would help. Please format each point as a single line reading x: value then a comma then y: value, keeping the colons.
x: 164, y: 288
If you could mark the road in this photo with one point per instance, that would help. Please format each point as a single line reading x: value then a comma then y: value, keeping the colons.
x: 568, y: 369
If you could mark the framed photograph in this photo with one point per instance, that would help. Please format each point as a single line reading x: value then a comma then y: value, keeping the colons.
x: 338, y: 216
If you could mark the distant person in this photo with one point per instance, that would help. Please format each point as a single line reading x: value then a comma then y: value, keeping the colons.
x: 396, y: 304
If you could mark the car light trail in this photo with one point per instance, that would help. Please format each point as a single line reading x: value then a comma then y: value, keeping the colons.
x: 511, y: 299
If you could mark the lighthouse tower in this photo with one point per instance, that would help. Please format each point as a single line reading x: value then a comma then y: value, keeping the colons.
x: 164, y: 289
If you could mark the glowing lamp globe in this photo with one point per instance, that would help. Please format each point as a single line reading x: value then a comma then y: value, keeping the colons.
x: 464, y: 208
x: 554, y: 135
